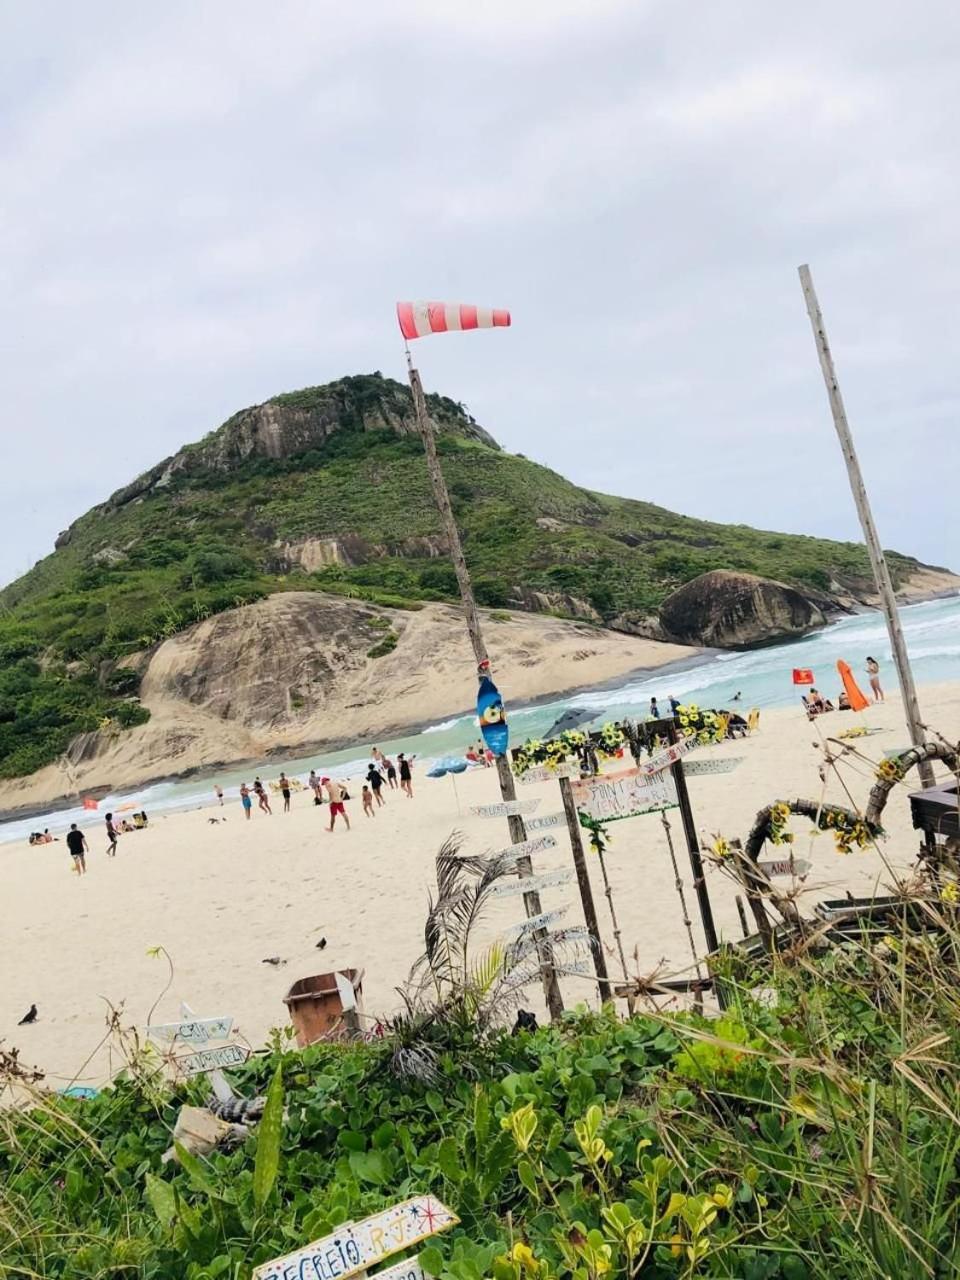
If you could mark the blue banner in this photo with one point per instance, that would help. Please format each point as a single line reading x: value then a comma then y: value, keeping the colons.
x: 492, y: 717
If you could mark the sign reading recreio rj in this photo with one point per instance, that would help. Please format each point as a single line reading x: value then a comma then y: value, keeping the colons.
x: 359, y: 1245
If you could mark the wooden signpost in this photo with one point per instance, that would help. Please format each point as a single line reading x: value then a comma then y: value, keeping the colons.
x: 210, y: 1060
x: 543, y: 773
x: 786, y: 867
x: 524, y: 849
x: 529, y: 926
x: 199, y: 1031
x: 356, y: 1246
x: 506, y: 809
x: 548, y: 820
x: 548, y: 880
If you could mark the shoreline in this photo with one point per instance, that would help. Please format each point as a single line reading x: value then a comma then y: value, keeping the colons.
x: 388, y: 733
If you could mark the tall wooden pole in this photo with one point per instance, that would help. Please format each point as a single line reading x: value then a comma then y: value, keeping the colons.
x: 508, y: 790
x: 586, y: 892
x: 878, y: 563
x: 693, y: 847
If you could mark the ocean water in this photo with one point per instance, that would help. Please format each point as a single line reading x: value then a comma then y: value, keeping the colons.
x: 762, y: 676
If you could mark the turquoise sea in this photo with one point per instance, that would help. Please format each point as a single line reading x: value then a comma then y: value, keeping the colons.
x: 762, y: 676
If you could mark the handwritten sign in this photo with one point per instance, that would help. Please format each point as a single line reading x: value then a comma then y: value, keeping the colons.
x: 783, y: 867
x: 664, y: 759
x: 359, y: 1245
x: 511, y: 855
x: 531, y: 884
x: 225, y: 1055
x: 543, y: 921
x: 713, y: 766
x: 506, y: 809
x: 197, y: 1032
x: 548, y: 820
x: 542, y: 773
x: 408, y: 1269
x: 624, y: 794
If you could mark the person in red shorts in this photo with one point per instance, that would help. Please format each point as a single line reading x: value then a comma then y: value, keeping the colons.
x: 337, y: 807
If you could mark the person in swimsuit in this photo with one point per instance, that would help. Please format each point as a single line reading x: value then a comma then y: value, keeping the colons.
x: 112, y: 836
x: 366, y: 795
x: 391, y: 768
x: 285, y: 791
x: 246, y: 800
x: 406, y: 776
x: 263, y: 800
x: 77, y: 844
x: 218, y: 792
x: 335, y: 794
x: 375, y: 778
x: 873, y: 671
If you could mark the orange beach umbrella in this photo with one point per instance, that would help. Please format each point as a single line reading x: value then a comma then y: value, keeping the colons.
x: 857, y: 701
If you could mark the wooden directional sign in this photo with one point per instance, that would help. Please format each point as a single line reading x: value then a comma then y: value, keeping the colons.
x: 524, y: 849
x: 548, y: 820
x: 506, y: 809
x: 713, y: 766
x: 197, y: 1032
x: 783, y: 867
x: 359, y: 1245
x: 543, y: 921
x: 225, y: 1055
x: 624, y: 794
x: 542, y: 773
x: 409, y: 1269
x: 664, y: 759
x: 531, y: 884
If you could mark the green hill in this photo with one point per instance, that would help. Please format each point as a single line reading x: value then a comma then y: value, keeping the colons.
x: 327, y: 488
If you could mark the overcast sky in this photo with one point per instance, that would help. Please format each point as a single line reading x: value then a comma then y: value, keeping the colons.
x: 205, y: 203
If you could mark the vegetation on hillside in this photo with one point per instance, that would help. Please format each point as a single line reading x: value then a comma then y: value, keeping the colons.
x: 157, y: 559
x: 811, y: 1131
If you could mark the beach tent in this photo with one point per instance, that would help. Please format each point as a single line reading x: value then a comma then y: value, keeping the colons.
x: 570, y: 719
x: 857, y: 701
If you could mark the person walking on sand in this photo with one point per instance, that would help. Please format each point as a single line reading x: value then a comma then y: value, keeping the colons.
x: 246, y: 800
x: 406, y: 775
x: 873, y: 671
x: 218, y: 792
x: 654, y: 709
x: 314, y: 784
x: 391, y: 768
x: 285, y: 791
x: 375, y: 778
x: 77, y: 844
x: 263, y: 799
x: 366, y: 795
x: 335, y: 795
x: 113, y: 836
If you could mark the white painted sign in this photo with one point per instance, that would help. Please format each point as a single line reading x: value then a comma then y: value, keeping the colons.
x: 543, y: 921
x: 543, y: 773
x: 225, y: 1055
x: 548, y: 820
x: 200, y: 1031
x: 359, y: 1245
x: 624, y: 794
x: 524, y: 849
x: 663, y: 759
x: 506, y: 809
x: 408, y: 1269
x: 531, y: 884
x: 782, y: 867
x: 572, y: 941
x: 713, y: 766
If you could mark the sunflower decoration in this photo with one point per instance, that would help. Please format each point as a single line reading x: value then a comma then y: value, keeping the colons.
x: 950, y: 893
x: 848, y: 830
x: 706, y: 725
x: 890, y: 770
x: 779, y: 817
x: 720, y: 848
x: 566, y: 746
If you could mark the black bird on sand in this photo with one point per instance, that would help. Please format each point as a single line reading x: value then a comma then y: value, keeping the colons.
x: 321, y: 944
x: 29, y: 1016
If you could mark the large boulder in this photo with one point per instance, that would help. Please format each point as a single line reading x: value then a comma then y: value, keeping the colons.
x: 730, y: 610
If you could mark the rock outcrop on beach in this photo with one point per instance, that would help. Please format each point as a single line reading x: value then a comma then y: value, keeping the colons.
x: 728, y: 610
x: 325, y: 490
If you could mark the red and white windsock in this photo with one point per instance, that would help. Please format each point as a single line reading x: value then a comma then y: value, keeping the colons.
x: 417, y: 319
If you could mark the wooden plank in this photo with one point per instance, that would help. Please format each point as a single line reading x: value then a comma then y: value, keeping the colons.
x: 408, y: 1269
x: 357, y: 1246
x: 713, y: 766
x: 523, y: 850
x: 548, y: 820
x: 507, y: 809
x: 543, y: 921
x: 224, y: 1055
x: 664, y: 759
x: 542, y: 773
x: 548, y: 880
x: 782, y: 867
x: 200, y: 1031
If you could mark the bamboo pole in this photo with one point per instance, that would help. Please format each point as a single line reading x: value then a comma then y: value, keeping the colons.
x: 878, y: 563
x: 508, y: 790
x: 586, y: 891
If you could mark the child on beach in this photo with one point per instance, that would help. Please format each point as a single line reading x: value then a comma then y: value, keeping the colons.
x: 366, y: 795
x: 246, y: 800
x: 112, y: 835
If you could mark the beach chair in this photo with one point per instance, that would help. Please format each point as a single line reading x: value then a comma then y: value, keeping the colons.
x: 753, y: 720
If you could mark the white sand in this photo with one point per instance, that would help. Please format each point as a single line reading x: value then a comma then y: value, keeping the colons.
x: 220, y: 898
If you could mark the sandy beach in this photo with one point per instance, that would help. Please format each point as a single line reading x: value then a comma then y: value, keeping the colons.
x: 220, y: 898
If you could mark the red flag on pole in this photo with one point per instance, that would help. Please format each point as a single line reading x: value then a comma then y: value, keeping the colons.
x: 802, y: 675
x: 417, y: 319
